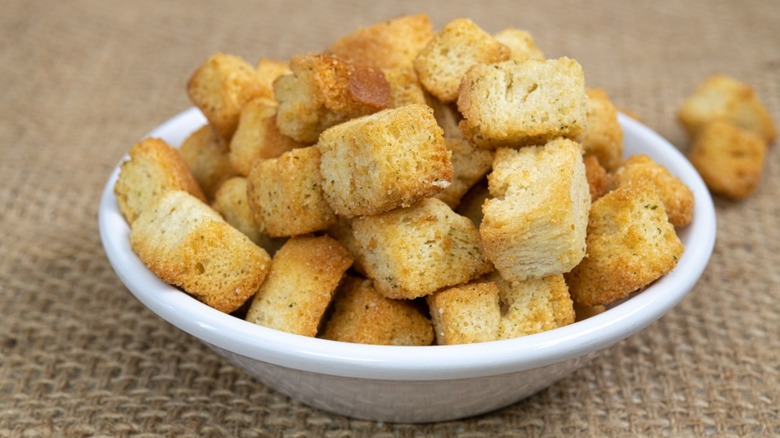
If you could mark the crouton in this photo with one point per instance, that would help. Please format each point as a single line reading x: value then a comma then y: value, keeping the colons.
x: 521, y: 44
x: 383, y: 161
x: 257, y: 136
x: 469, y: 164
x: 303, y: 277
x: 269, y: 70
x: 466, y: 314
x: 534, y: 305
x: 513, y: 104
x: 723, y: 97
x: 341, y: 231
x: 440, y: 65
x: 206, y: 155
x: 597, y: 176
x: 323, y: 91
x: 677, y: 197
x: 630, y: 242
x: 583, y: 312
x: 188, y: 244
x: 153, y: 168
x: 285, y: 194
x: 447, y: 116
x: 603, y: 134
x: 405, y: 89
x: 730, y: 159
x: 535, y: 224
x: 220, y: 88
x: 412, y: 252
x: 386, y: 45
x: 363, y: 315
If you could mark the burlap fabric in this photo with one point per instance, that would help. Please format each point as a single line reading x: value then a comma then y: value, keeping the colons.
x: 82, y: 80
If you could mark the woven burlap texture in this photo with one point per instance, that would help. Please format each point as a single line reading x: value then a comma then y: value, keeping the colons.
x: 83, y: 80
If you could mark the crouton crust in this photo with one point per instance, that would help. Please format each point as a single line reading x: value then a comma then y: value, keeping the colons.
x: 466, y: 313
x: 603, y: 134
x: 206, y: 155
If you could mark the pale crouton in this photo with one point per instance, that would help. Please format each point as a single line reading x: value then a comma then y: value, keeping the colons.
x: 285, y: 194
x: 469, y: 164
x: 535, y: 224
x: 723, y: 97
x: 221, y: 86
x: 405, y: 89
x: 521, y: 44
x: 630, y: 244
x: 153, y: 168
x: 466, y: 314
x: 188, y: 244
x: 460, y: 44
x: 731, y: 160
x: 677, y: 197
x: 383, y: 161
x: 598, y: 179
x: 603, y: 134
x: 323, y: 91
x: 363, y: 315
x: 257, y: 136
x: 412, y: 252
x: 206, y: 155
x: 534, y: 305
x: 304, y: 275
x: 386, y: 45
x: 513, y: 104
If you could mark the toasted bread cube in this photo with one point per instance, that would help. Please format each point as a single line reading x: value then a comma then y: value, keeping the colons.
x: 469, y: 164
x: 303, y: 277
x: 603, y: 135
x: 257, y: 136
x: 206, y: 155
x: 323, y: 91
x: 534, y: 305
x: 535, y: 224
x: 597, y: 176
x: 723, y: 97
x: 269, y: 70
x: 412, y: 252
x: 220, y: 88
x: 386, y: 45
x: 631, y: 243
x: 513, y: 104
x: 363, y: 315
x: 730, y: 159
x: 466, y: 314
x: 405, y: 89
x: 677, y: 197
x: 441, y: 64
x: 285, y: 194
x: 153, y: 168
x: 383, y: 161
x: 521, y: 44
x: 188, y: 244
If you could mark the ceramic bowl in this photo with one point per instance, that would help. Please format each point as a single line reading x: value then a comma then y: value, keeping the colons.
x: 415, y: 384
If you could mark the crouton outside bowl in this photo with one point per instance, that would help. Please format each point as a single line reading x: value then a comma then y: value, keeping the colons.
x: 415, y: 384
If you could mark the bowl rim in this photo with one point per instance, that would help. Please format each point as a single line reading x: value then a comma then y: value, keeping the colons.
x: 441, y: 362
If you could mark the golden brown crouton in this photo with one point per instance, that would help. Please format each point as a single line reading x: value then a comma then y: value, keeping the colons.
x: 405, y: 89
x: 440, y: 65
x: 187, y: 244
x: 304, y: 275
x: 597, y: 177
x: 285, y: 194
x: 383, y: 161
x: 465, y: 314
x: 221, y: 86
x: 257, y: 136
x: 723, y: 97
x: 630, y: 244
x: 520, y: 43
x: 729, y: 159
x: 603, y: 134
x: 412, y: 252
x: 386, y: 45
x: 153, y: 168
x: 535, y: 224
x: 513, y: 104
x: 206, y: 155
x: 323, y: 91
x: 269, y: 70
x: 470, y: 165
x: 363, y: 315
x: 677, y: 197
x: 534, y: 305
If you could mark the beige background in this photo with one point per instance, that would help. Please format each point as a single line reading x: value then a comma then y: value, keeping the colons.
x: 83, y: 80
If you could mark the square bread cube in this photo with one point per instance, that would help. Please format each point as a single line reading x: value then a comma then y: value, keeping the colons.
x: 521, y: 44
x: 405, y: 89
x: 513, y: 104
x: 460, y: 44
x: 469, y: 164
x: 534, y: 305
x: 303, y: 277
x: 631, y: 243
x: 412, y: 252
x: 603, y: 134
x: 188, y: 244
x: 383, y: 161
x: 285, y: 194
x: 466, y: 314
x: 206, y: 155
x: 598, y: 179
x: 535, y: 224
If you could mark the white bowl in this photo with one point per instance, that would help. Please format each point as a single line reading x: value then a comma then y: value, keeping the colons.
x: 415, y: 384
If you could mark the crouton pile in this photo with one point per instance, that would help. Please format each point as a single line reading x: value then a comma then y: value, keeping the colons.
x: 404, y: 186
